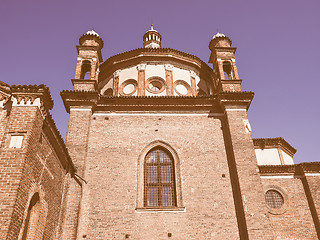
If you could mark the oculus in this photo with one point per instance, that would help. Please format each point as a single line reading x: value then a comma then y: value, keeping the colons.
x: 155, y: 85
x: 182, y: 88
x: 128, y: 87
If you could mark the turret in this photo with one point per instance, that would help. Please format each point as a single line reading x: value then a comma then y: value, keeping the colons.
x: 224, y: 63
x: 88, y: 61
x: 152, y: 39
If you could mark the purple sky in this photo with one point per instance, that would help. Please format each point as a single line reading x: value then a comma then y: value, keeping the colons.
x: 277, y: 57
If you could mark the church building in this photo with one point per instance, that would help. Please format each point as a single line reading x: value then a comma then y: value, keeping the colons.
x: 158, y: 146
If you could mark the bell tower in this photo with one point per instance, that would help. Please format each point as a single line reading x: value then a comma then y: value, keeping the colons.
x: 224, y: 63
x: 88, y: 61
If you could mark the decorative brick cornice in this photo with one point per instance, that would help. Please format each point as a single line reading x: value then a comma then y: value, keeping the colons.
x: 295, y: 169
x: 88, y: 36
x: 94, y: 99
x: 5, y: 93
x: 226, y: 49
x: 79, y: 98
x: 32, y: 92
x: 232, y: 100
x: 274, y: 143
x: 140, y: 103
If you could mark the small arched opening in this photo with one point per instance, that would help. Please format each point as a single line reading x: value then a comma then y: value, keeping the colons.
x: 85, y: 70
x: 227, y: 69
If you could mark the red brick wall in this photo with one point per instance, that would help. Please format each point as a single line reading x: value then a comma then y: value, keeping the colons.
x: 23, y: 174
x: 110, y: 197
x: 247, y: 183
x: 295, y: 221
x: 76, y: 143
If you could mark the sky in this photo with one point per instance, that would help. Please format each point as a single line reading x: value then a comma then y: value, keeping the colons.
x: 277, y: 56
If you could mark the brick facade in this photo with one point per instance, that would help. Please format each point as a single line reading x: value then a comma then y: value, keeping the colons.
x: 197, y: 114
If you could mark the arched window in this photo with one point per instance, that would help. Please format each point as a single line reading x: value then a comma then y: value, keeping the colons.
x: 159, y: 179
x: 34, y: 200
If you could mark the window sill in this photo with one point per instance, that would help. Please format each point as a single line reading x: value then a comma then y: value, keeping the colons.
x: 170, y: 209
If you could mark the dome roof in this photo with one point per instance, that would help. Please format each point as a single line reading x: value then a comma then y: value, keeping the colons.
x: 220, y: 40
x: 92, y: 32
x: 218, y: 35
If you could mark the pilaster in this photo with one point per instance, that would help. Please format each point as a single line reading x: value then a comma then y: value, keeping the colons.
x: 193, y: 83
x: 116, y: 83
x: 169, y: 79
x: 246, y: 183
x: 76, y: 142
x: 141, y: 79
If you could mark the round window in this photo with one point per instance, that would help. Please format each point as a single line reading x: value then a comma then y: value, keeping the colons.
x: 128, y: 87
x: 274, y: 199
x: 182, y: 88
x: 155, y: 85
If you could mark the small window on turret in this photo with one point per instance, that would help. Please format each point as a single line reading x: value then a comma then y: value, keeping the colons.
x: 227, y: 69
x: 85, y: 70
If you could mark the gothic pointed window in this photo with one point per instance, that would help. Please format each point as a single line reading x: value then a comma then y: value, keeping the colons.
x: 159, y: 179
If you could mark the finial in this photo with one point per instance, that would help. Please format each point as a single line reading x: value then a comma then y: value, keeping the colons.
x: 151, y: 26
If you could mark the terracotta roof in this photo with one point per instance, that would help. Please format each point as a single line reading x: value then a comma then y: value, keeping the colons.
x: 165, y: 50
